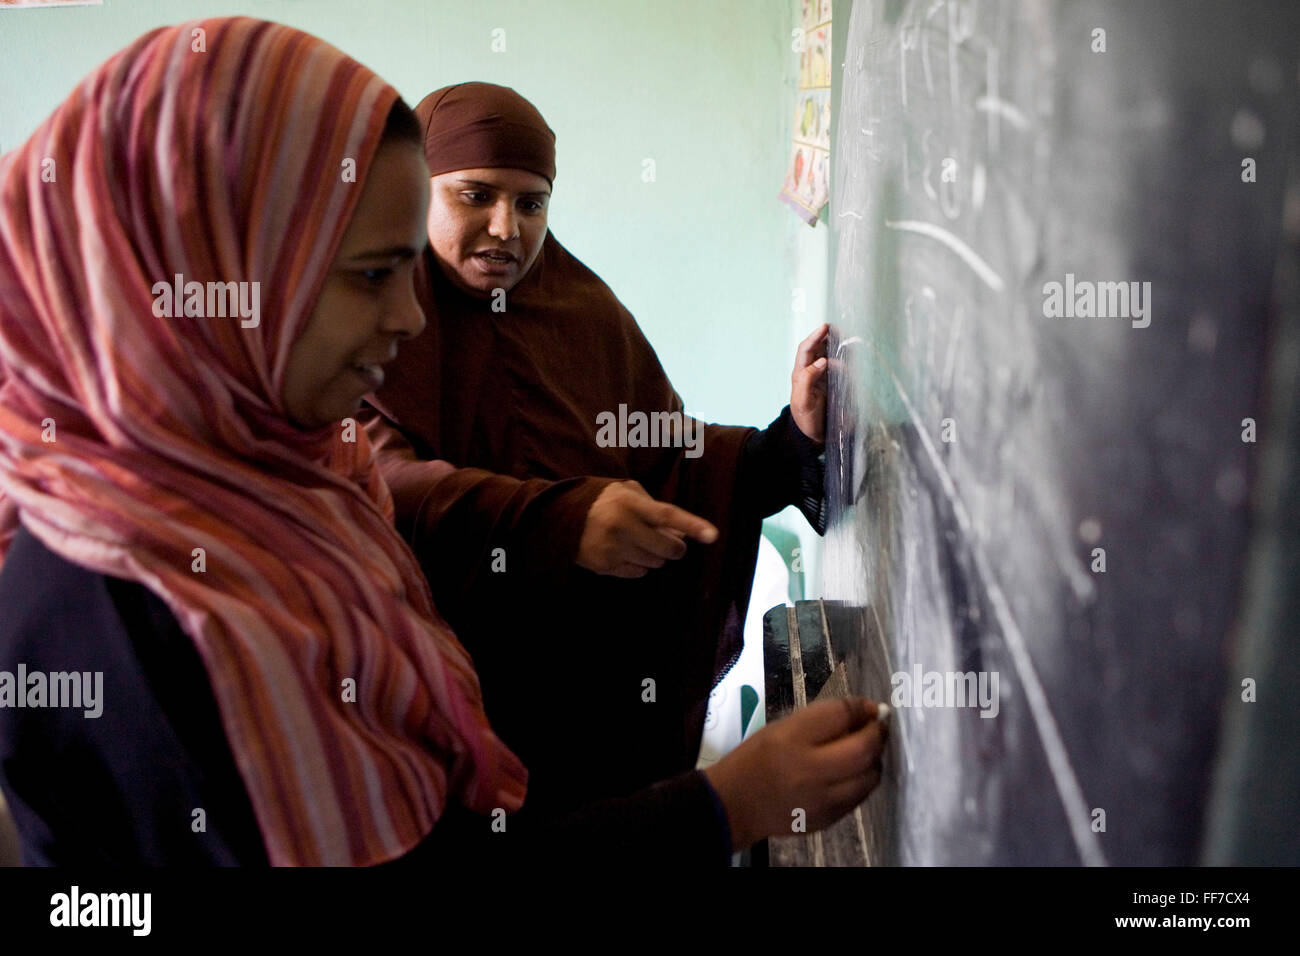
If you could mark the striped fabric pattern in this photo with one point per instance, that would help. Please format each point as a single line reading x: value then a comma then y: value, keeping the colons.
x: 213, y: 150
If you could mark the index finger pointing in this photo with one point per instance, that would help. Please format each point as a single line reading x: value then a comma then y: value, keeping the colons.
x: 673, y: 519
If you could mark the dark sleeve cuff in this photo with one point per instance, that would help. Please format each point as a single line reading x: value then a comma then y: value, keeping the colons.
x: 724, y: 825
x: 783, y: 466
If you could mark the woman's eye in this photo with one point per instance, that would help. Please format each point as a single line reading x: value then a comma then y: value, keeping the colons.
x: 376, y: 276
x: 531, y: 205
x: 475, y: 197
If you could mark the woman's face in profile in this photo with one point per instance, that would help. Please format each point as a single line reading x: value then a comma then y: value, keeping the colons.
x: 487, y: 226
x: 367, y: 303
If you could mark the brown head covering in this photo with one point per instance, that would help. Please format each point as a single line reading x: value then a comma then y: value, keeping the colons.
x: 482, y: 125
x: 517, y: 393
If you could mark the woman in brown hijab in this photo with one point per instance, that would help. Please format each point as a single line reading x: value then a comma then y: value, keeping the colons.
x: 558, y: 546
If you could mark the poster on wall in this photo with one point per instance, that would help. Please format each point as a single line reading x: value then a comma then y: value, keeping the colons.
x: 807, y: 180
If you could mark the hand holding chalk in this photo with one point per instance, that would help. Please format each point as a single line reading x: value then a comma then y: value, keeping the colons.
x: 822, y: 760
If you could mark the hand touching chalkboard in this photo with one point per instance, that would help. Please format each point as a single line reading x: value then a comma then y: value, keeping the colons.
x: 808, y: 385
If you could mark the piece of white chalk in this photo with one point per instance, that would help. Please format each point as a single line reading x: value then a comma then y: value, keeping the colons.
x: 883, y: 713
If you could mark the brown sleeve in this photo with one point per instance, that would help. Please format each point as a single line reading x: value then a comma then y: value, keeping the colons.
x: 454, y: 519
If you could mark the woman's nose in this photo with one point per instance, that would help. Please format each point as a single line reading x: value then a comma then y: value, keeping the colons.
x: 503, y: 225
x: 405, y: 318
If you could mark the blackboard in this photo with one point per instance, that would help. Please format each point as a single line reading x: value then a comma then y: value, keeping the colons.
x: 1064, y: 500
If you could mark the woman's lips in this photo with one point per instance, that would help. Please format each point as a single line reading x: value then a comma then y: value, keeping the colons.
x: 494, y: 263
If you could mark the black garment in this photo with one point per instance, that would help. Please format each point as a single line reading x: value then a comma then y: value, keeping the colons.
x: 678, y: 822
x: 782, y: 466
x: 122, y: 788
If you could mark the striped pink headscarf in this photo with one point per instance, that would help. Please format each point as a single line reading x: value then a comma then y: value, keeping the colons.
x: 216, y: 150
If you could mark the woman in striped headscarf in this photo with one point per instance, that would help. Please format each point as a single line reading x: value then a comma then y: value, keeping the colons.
x: 205, y: 258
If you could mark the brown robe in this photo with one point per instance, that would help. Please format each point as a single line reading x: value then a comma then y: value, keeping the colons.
x: 512, y: 399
